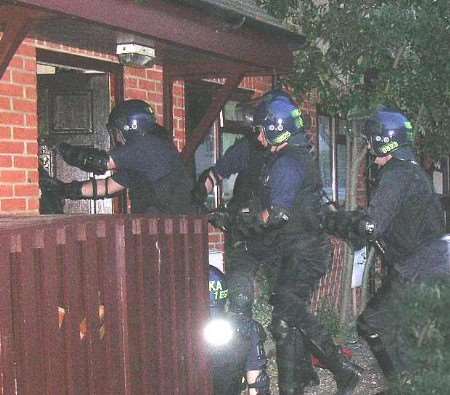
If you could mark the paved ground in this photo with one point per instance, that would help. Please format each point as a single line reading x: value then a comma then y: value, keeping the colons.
x: 371, y: 381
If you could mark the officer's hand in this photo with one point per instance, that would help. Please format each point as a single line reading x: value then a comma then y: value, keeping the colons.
x: 199, y: 194
x: 70, y: 153
x: 345, y: 225
x: 248, y: 222
x: 71, y: 190
x: 220, y: 219
x: 85, y: 158
x: 51, y: 185
x: 337, y: 223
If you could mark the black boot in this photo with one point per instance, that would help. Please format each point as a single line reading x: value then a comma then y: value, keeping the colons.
x: 347, y: 376
x: 381, y: 355
x: 346, y: 373
x: 295, y: 370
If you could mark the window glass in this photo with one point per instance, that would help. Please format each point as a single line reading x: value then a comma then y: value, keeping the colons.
x: 341, y: 172
x: 325, y: 154
x: 341, y: 154
x: 228, y: 139
x: 205, y: 157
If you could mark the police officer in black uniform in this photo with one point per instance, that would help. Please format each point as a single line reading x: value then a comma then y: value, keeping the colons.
x: 236, y: 345
x: 406, y: 221
x: 281, y: 226
x: 144, y: 160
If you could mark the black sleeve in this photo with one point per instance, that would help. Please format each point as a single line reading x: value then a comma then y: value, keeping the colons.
x: 149, y: 156
x: 387, y: 198
x: 122, y: 177
x: 234, y: 160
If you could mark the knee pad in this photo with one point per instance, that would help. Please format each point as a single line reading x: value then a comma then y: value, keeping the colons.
x: 240, y: 295
x: 280, y: 330
x: 261, y: 384
x: 241, y: 303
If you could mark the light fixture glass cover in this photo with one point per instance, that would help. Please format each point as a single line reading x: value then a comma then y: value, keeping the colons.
x: 135, y: 55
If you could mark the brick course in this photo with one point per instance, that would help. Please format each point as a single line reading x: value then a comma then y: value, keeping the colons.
x: 19, y: 189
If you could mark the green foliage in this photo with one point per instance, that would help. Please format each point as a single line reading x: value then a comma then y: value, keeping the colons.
x: 400, y: 49
x: 328, y: 315
x: 262, y: 310
x: 425, y: 319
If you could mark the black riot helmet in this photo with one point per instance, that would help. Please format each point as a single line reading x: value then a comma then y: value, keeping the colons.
x: 131, y: 118
x: 389, y: 132
x: 278, y: 116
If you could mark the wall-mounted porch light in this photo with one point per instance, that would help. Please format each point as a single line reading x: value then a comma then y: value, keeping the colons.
x: 135, y: 55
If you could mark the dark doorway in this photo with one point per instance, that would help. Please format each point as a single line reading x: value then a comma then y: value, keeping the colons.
x: 73, y: 107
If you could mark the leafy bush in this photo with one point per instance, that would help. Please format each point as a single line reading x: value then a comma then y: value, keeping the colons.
x: 424, y: 316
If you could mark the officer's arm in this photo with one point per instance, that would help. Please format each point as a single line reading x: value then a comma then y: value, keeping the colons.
x: 233, y: 161
x: 387, y: 199
x: 86, y: 158
x: 286, y: 178
x: 100, y: 188
x: 76, y: 190
x: 371, y: 224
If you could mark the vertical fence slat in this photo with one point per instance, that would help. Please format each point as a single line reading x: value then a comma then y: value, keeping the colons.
x: 72, y: 285
x: 187, y: 268
x: 153, y: 296
x: 51, y: 338
x: 168, y: 305
x: 118, y: 305
x: 200, y: 310
x: 31, y: 358
x: 143, y: 314
x: 7, y: 341
x: 182, y: 304
x: 133, y: 310
x: 112, y: 299
x: 92, y: 303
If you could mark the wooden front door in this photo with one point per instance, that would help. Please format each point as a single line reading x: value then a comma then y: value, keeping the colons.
x: 73, y: 108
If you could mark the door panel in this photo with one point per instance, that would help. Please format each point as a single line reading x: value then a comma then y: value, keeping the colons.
x: 73, y: 108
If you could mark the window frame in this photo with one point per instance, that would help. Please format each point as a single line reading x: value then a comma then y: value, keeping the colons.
x: 336, y: 139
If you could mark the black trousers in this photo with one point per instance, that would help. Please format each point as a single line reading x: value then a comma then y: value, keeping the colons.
x: 299, y: 266
x: 382, y: 321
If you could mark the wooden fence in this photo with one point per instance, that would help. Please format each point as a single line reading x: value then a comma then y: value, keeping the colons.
x: 103, y: 305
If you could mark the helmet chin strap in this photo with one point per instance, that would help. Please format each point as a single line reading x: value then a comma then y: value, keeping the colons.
x: 277, y: 148
x: 382, y: 160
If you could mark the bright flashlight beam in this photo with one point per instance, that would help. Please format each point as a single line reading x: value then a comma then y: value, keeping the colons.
x: 218, y: 332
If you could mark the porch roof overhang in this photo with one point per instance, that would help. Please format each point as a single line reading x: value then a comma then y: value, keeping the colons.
x: 190, y: 42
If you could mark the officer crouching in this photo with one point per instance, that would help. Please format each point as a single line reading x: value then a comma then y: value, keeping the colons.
x: 235, y: 345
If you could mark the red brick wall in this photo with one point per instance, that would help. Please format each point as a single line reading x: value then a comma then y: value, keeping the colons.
x: 19, y: 190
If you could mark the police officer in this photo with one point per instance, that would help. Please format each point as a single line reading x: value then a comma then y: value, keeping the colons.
x: 246, y: 148
x: 236, y: 345
x: 281, y: 226
x: 144, y: 160
x: 405, y: 219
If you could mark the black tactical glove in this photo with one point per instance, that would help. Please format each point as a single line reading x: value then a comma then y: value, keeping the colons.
x: 70, y: 190
x: 347, y: 225
x: 85, y: 158
x: 249, y: 223
x: 220, y: 219
x: 199, y: 194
